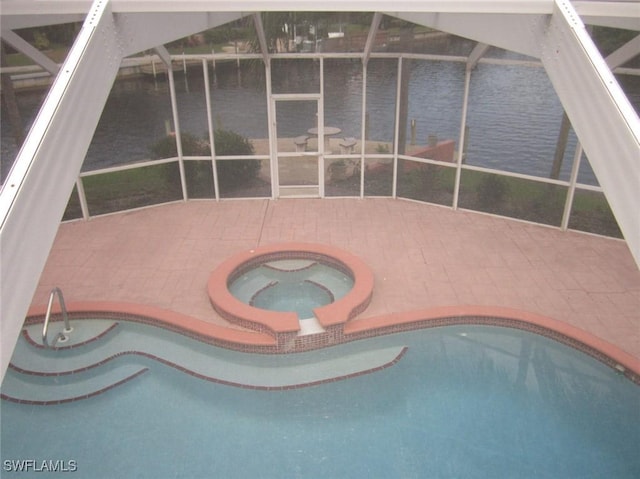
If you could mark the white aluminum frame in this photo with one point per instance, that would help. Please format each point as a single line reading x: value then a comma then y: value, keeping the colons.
x: 277, y: 154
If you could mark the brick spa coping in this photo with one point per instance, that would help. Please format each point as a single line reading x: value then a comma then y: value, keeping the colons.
x: 261, y: 342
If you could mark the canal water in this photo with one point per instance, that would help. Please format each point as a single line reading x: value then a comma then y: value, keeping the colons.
x: 513, y: 119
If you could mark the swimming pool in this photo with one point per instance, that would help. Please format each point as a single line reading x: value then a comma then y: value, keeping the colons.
x: 459, y: 401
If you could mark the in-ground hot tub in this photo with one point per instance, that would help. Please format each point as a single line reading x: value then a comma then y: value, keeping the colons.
x: 275, y: 288
x: 298, y: 285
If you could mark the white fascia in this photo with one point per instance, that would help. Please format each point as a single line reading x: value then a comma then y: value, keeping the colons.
x: 14, y: 7
x: 453, y: 6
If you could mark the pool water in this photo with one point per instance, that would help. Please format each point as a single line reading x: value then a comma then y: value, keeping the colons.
x: 463, y: 402
x: 296, y: 285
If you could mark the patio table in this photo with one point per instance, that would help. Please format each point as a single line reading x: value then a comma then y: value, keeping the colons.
x: 329, y: 131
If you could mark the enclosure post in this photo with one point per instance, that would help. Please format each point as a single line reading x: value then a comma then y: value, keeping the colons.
x: 396, y: 132
x: 166, y: 58
x: 321, y: 131
x: 363, y: 128
x: 207, y: 96
x: 572, y: 187
x: 83, y: 198
x: 462, y: 146
x: 271, y: 118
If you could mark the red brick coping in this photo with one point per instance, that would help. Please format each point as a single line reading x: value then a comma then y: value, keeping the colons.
x: 275, y: 322
x: 180, y: 323
x: 257, y: 342
x: 559, y: 331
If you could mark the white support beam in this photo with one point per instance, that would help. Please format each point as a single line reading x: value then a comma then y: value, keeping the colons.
x: 165, y: 56
x: 17, y: 22
x: 17, y: 42
x: 623, y: 14
x: 624, y: 23
x: 605, y: 122
x: 373, y: 31
x: 264, y: 49
x: 476, y: 54
x: 210, y: 128
x: 517, y: 33
x: 603, y: 8
x: 626, y: 52
x: 173, y: 6
x: 138, y: 32
x: 37, y: 189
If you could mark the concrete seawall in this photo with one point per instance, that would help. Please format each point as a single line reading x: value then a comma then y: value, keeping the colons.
x: 32, y: 77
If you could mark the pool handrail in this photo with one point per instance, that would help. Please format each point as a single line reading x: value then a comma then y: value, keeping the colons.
x: 56, y: 291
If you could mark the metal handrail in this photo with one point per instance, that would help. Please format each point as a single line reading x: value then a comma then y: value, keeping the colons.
x: 67, y: 328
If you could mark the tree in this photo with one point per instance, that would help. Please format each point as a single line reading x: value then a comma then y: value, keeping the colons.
x: 231, y: 173
x: 234, y: 173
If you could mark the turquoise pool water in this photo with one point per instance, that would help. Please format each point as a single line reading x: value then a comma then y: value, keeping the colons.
x: 296, y: 285
x: 463, y: 402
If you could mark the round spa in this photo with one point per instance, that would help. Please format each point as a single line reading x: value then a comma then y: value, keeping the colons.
x: 298, y: 285
x: 287, y: 287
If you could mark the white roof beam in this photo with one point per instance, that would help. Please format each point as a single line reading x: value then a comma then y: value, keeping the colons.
x: 621, y: 14
x: 46, y: 7
x: 164, y: 55
x: 16, y: 22
x: 476, y: 54
x: 605, y: 122
x: 36, y: 191
x: 139, y: 32
x: 257, y: 22
x: 17, y: 42
x: 11, y: 7
x: 518, y: 33
x: 626, y: 52
x: 624, y: 23
x: 373, y: 31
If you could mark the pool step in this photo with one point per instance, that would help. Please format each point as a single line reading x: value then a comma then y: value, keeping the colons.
x: 38, y: 389
x: 310, y: 326
x: 84, y: 332
x: 293, y: 375
x: 34, y: 366
x: 246, y: 288
x: 89, y: 344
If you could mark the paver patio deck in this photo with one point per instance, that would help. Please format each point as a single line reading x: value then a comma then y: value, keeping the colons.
x: 422, y: 256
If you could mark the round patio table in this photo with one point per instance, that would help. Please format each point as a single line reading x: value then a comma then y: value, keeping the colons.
x: 329, y: 131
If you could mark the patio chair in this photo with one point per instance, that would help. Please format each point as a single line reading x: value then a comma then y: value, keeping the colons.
x: 301, y: 142
x: 347, y: 146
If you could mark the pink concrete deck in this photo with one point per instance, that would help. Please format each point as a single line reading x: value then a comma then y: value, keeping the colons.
x: 422, y: 257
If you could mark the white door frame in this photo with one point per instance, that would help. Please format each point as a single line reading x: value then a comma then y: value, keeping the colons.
x: 274, y: 153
